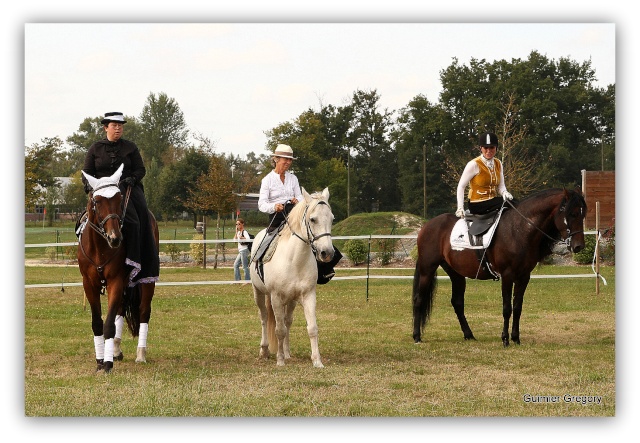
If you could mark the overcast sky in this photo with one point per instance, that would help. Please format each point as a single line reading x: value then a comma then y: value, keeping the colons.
x: 233, y: 82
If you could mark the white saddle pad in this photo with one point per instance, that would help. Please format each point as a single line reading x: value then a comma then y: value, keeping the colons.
x: 460, y: 235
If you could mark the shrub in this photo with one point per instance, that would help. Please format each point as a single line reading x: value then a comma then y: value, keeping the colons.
x: 356, y: 250
x: 387, y: 247
x: 414, y: 254
x: 197, y: 249
x: 50, y: 253
x: 174, y: 251
x: 585, y: 257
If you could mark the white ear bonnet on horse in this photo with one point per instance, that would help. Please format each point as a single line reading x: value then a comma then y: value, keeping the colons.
x: 105, y: 187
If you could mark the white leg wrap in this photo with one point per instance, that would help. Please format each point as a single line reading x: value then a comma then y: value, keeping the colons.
x: 142, y: 335
x: 98, y: 343
x: 108, y: 350
x: 119, y: 325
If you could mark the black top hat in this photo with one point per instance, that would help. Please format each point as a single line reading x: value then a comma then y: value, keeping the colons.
x: 488, y: 139
x: 113, y: 117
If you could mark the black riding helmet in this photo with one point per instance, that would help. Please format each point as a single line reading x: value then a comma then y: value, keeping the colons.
x: 488, y: 139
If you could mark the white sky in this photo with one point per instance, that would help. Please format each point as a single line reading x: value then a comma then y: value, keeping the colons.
x: 233, y: 82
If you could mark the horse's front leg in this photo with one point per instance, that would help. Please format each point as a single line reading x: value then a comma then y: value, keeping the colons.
x: 518, y: 296
x: 114, y: 303
x: 92, y: 294
x: 259, y: 298
x: 309, y: 306
x: 507, y: 287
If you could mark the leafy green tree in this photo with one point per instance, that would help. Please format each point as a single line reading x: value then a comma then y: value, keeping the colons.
x: 39, y: 170
x: 162, y: 126
x: 178, y: 178
x: 418, y: 142
x: 562, y: 116
x: 213, y: 194
x: 73, y: 195
x: 374, y: 160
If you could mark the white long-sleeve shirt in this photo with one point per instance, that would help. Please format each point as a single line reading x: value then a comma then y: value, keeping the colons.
x: 273, y: 191
x: 471, y: 170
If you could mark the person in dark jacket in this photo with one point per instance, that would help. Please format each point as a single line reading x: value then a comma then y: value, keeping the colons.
x: 103, y: 158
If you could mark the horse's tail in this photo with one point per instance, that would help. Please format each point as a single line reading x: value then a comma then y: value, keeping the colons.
x: 422, y: 299
x: 131, y: 308
x: 271, y: 327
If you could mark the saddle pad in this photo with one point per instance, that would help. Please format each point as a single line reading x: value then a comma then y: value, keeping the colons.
x: 270, y: 250
x: 460, y: 235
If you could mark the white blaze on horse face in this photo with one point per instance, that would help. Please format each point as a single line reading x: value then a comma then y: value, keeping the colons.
x: 107, y: 191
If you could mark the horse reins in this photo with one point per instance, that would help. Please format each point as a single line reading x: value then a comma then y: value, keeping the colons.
x: 569, y: 233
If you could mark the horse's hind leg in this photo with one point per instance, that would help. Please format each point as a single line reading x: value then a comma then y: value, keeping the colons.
x: 458, y: 287
x: 145, y: 315
x: 288, y: 321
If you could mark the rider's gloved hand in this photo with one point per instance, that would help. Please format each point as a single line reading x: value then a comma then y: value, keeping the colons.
x: 507, y: 196
x: 460, y: 213
x: 130, y: 181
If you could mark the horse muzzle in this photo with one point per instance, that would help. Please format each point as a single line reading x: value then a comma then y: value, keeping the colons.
x: 325, y: 255
x: 114, y: 240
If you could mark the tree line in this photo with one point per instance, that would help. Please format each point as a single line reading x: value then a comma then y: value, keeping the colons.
x: 551, y: 120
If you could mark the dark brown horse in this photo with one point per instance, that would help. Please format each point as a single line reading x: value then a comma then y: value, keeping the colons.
x: 524, y: 236
x: 101, y: 258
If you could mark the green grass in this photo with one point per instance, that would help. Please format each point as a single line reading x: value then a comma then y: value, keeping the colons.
x: 204, y: 341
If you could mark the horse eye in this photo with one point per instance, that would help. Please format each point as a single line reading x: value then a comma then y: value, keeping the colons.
x: 313, y: 219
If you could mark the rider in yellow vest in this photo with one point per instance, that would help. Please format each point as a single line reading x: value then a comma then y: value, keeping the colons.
x: 485, y: 179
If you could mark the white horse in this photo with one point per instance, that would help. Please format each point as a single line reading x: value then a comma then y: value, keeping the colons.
x: 291, y: 274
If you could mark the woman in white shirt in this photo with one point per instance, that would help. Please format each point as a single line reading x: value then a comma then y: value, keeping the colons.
x: 280, y: 189
x: 243, y: 251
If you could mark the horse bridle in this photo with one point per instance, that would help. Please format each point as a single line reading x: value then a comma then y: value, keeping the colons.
x: 566, y: 241
x: 311, y: 237
x: 99, y: 228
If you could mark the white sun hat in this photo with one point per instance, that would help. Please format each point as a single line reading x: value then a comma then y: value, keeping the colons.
x: 284, y: 151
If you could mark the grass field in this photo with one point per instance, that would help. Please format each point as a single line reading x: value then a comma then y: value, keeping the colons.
x: 204, y: 342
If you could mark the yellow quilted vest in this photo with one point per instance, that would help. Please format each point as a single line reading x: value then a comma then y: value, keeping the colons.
x: 484, y: 186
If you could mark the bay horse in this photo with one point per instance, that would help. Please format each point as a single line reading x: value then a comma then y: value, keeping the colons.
x: 524, y: 236
x: 101, y: 259
x: 291, y: 274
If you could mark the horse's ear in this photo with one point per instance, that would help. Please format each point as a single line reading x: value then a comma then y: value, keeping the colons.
x: 578, y: 190
x: 325, y: 194
x: 92, y: 180
x: 306, y: 195
x: 116, y: 176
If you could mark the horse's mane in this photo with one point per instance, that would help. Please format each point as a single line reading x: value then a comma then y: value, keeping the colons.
x: 295, y: 216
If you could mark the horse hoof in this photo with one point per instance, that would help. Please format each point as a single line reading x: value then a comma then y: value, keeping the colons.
x: 118, y: 357
x: 318, y: 364
x: 141, y: 355
x: 108, y: 366
x: 471, y: 337
x: 505, y: 343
